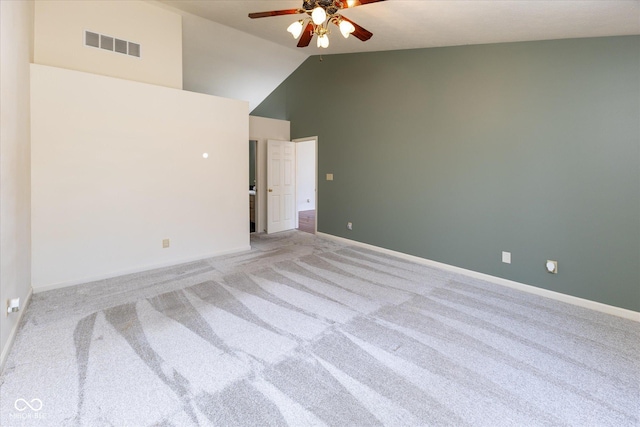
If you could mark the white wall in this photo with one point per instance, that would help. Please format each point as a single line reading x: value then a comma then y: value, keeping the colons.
x: 117, y: 167
x: 223, y: 61
x: 59, y: 39
x: 261, y: 129
x: 306, y: 175
x: 16, y: 51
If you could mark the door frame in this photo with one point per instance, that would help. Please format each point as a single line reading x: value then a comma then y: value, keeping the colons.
x: 256, y: 197
x: 315, y: 140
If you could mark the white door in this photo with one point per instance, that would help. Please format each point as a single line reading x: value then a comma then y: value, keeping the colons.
x: 281, y: 186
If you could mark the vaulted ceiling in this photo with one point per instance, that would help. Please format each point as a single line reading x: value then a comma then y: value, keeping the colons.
x: 407, y: 24
x: 216, y: 30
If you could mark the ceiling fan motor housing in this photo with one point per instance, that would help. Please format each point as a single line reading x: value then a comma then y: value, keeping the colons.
x: 330, y: 6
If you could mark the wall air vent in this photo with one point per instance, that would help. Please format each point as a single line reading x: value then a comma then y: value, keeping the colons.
x: 134, y: 49
x: 102, y: 41
x: 121, y: 46
x: 106, y: 42
x: 91, y: 39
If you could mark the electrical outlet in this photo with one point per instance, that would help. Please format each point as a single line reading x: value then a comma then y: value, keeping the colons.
x: 13, y: 305
x: 165, y: 243
x: 329, y: 177
x: 349, y: 226
x: 506, y: 257
x: 552, y: 266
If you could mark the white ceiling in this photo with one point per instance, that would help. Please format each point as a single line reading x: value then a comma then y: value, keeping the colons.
x: 407, y: 24
x: 227, y: 54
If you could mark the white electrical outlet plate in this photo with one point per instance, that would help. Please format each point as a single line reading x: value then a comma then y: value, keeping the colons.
x: 506, y: 257
x: 349, y: 226
x: 552, y: 266
x: 13, y: 305
x: 329, y: 177
x: 165, y: 243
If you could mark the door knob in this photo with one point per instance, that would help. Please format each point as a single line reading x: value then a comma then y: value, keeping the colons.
x: 270, y: 190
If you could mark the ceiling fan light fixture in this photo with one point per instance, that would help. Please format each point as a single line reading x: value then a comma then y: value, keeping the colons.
x: 295, y: 29
x: 346, y: 28
x: 318, y: 15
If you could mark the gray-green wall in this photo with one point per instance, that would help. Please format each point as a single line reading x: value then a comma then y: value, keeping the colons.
x: 456, y: 154
x: 252, y: 162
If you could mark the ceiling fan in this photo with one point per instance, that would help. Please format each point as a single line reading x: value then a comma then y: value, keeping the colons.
x: 319, y: 14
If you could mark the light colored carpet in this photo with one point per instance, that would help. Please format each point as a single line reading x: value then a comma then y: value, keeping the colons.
x: 303, y: 331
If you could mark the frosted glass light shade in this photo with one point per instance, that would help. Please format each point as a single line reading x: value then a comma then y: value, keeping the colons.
x: 295, y: 29
x: 323, y: 41
x: 346, y: 28
x: 318, y: 15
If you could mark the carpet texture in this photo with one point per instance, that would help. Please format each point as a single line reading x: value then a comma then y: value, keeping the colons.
x: 303, y: 331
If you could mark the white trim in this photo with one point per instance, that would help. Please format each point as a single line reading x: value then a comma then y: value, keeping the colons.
x: 581, y: 302
x: 38, y: 289
x: 14, y: 331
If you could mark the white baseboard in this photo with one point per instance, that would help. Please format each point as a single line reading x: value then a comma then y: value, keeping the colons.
x: 50, y: 287
x: 14, y: 331
x: 593, y: 305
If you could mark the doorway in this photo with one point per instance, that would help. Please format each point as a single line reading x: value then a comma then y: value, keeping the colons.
x: 291, y: 185
x: 253, y: 162
x: 306, y: 184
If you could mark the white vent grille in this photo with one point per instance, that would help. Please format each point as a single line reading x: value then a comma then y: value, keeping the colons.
x: 112, y: 44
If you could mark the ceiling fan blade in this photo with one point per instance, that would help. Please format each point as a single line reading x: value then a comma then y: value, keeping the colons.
x: 353, y: 3
x: 359, y: 33
x: 275, y: 13
x: 306, y: 36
